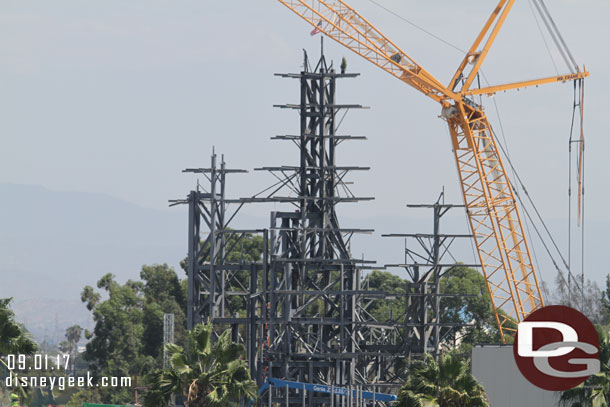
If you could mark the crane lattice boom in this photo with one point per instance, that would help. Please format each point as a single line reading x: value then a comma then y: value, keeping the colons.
x: 490, y: 202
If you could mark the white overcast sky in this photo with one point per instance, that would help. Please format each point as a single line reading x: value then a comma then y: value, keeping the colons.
x: 118, y: 96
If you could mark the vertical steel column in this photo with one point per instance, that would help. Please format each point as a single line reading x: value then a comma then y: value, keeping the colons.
x: 212, y: 279
x: 425, y: 267
x: 193, y: 246
x: 315, y: 322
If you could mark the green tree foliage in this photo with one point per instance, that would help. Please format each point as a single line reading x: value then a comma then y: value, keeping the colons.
x: 241, y: 249
x: 207, y: 374
x: 446, y: 383
x: 595, y: 391
x: 84, y: 395
x: 163, y: 294
x: 115, y: 348
x: 247, y: 249
x: 128, y: 333
x: 586, y: 297
x: 474, y: 308
x: 14, y: 339
x: 127, y: 339
x: 391, y: 284
x: 44, y: 398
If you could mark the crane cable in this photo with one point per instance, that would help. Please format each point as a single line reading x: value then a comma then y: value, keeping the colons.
x: 567, y: 56
x: 538, y: 215
x: 556, y: 36
x: 545, y: 16
x: 546, y: 45
x: 524, y: 207
x: 579, y: 94
x: 381, y: 6
x: 528, y: 219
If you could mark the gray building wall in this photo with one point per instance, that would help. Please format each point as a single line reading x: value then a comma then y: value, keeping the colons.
x: 494, y: 367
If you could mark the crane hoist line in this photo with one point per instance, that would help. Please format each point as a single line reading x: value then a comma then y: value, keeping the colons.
x: 494, y: 219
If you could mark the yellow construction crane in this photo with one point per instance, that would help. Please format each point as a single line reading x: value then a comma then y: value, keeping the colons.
x: 492, y: 212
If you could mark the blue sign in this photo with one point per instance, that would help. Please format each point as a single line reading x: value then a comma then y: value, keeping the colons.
x: 322, y: 388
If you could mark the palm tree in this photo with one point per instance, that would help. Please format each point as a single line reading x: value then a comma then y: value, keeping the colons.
x: 445, y: 383
x: 207, y: 374
x: 595, y: 391
x: 70, y: 345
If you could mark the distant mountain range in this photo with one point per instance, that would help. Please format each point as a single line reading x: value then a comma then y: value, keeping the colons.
x: 54, y: 243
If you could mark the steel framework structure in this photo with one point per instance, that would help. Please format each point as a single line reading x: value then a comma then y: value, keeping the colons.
x: 314, y: 282
x: 427, y: 259
x: 488, y: 196
x: 304, y: 308
x: 168, y: 336
x: 317, y: 327
x: 222, y: 290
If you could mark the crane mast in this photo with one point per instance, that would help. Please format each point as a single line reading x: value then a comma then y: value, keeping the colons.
x: 490, y: 202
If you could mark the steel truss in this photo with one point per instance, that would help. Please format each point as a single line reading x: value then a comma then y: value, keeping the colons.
x: 426, y: 264
x: 303, y: 310
x: 220, y: 290
x: 494, y: 219
x: 317, y: 328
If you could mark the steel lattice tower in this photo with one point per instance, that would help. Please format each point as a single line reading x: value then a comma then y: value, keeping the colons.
x: 214, y: 280
x: 426, y: 262
x: 313, y: 280
x: 306, y: 305
x: 317, y: 327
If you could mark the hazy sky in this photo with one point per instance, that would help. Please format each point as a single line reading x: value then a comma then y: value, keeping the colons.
x: 119, y: 96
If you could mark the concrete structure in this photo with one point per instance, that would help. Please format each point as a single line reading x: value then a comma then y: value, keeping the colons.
x: 495, y: 368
